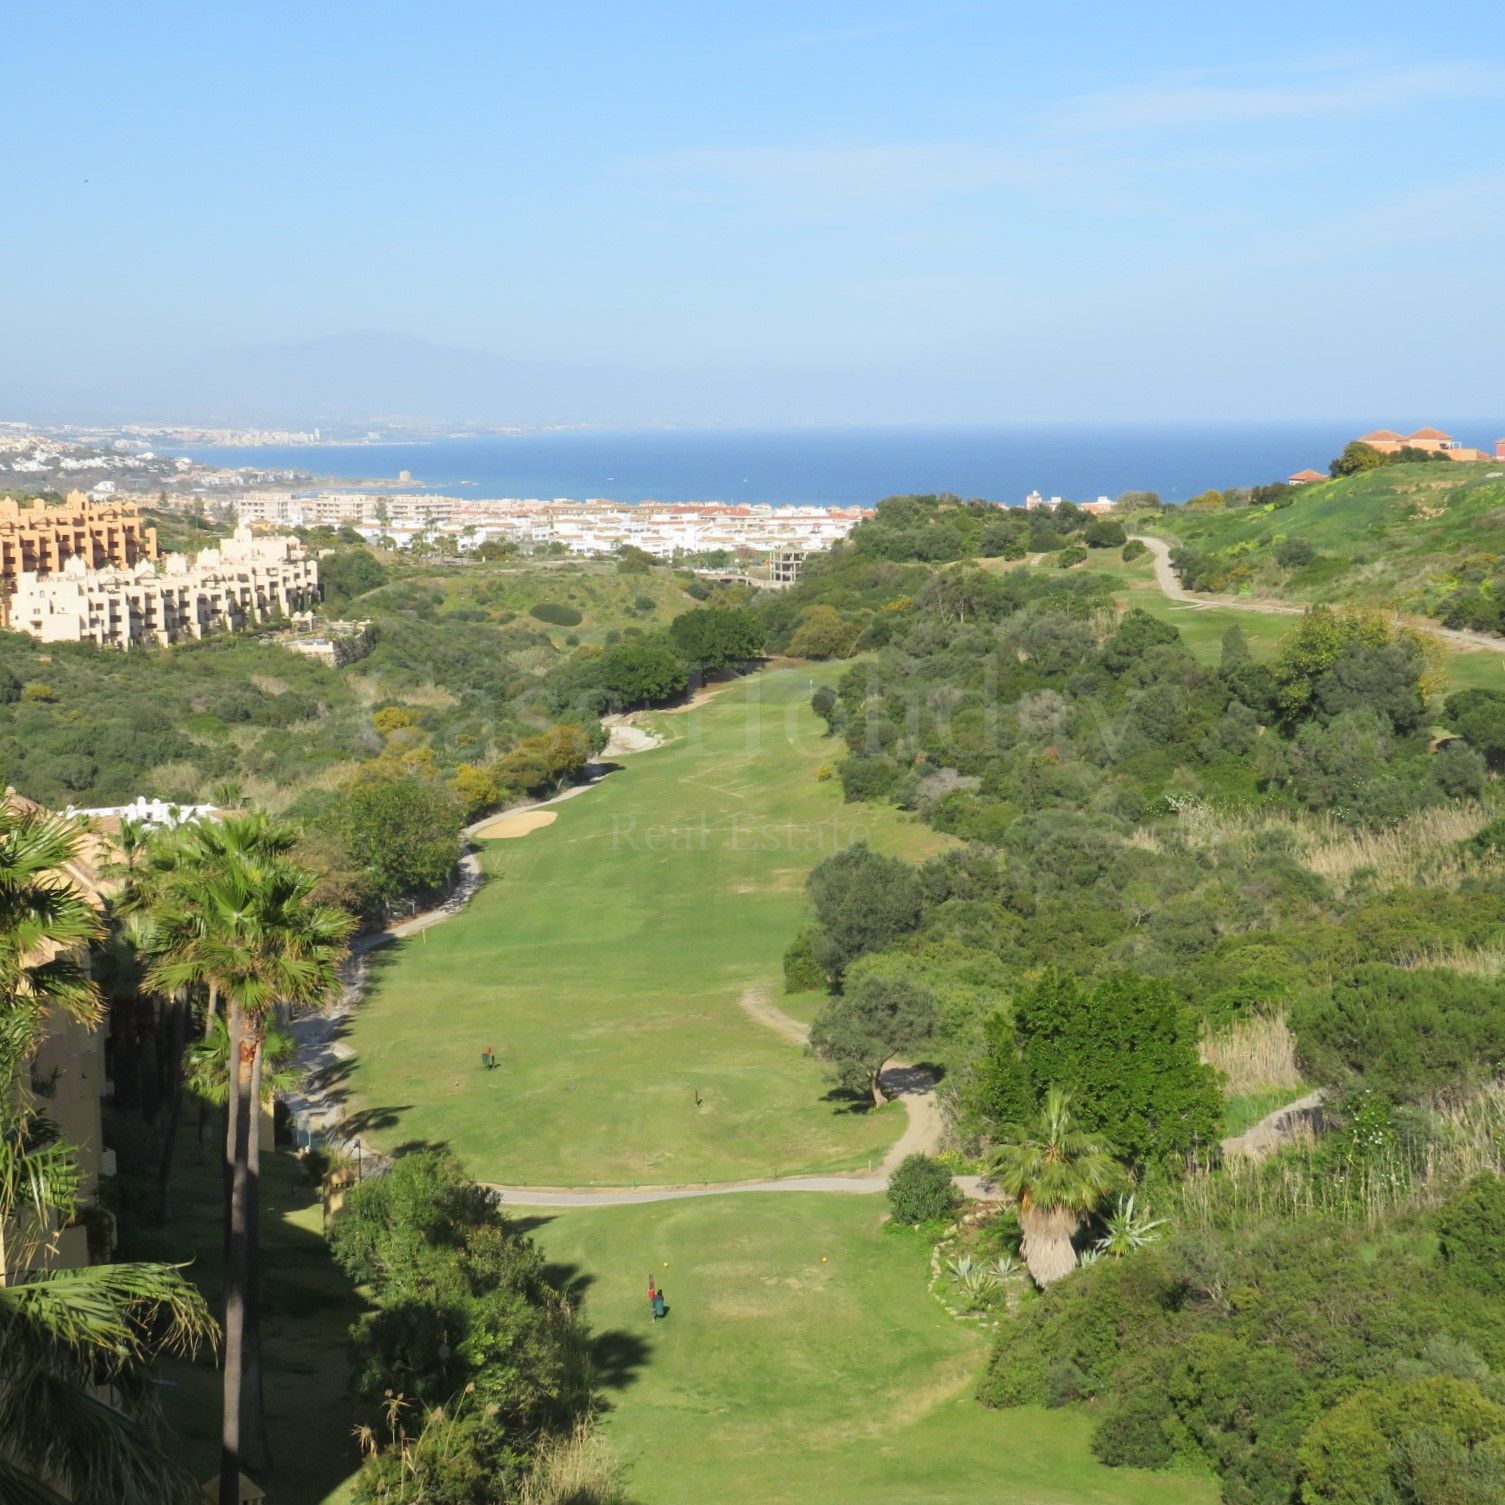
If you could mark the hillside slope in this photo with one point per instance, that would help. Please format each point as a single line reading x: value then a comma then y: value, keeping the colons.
x: 1424, y: 539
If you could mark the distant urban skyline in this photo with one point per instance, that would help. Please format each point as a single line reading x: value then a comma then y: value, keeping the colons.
x: 782, y: 213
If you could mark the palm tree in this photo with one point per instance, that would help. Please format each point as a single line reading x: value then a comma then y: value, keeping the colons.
x: 45, y: 923
x: 1057, y: 1174
x: 162, y: 876
x: 77, y: 1409
x: 69, y: 1337
x: 249, y: 930
x: 207, y: 1075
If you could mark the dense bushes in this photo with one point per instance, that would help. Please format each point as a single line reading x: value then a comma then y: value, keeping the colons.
x: 1404, y: 1033
x: 1471, y: 1235
x: 1244, y: 1349
x: 921, y: 1191
x: 469, y: 1347
x: 345, y: 574
x: 556, y: 613
x: 1126, y: 1048
x: 713, y: 637
x: 399, y: 839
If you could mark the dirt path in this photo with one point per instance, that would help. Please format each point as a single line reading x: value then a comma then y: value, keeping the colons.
x: 1296, y: 1120
x: 1172, y: 589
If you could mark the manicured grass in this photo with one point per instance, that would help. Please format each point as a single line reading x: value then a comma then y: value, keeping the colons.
x: 604, y: 960
x: 777, y: 1379
x: 307, y: 1309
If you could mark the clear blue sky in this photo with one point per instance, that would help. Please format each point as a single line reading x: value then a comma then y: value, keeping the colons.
x: 837, y: 211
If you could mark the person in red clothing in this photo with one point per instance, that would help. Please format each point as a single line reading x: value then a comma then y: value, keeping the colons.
x: 652, y: 1299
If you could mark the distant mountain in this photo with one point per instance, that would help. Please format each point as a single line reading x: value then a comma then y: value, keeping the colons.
x: 348, y: 377
x: 345, y: 378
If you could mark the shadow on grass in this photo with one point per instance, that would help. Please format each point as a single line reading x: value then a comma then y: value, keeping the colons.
x: 370, y: 1120
x: 618, y: 1357
x: 896, y: 1081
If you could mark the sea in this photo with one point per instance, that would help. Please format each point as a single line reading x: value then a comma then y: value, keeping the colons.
x: 831, y: 466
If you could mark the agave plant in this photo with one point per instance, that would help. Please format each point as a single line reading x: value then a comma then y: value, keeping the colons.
x: 1126, y: 1229
x: 1005, y: 1267
x: 974, y: 1281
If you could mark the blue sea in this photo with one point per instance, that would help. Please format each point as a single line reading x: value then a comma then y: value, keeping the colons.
x: 837, y: 466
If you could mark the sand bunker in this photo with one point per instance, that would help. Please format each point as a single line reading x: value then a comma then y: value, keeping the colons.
x: 519, y: 823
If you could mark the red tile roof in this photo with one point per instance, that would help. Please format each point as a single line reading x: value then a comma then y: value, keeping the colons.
x: 1430, y: 434
x: 1370, y: 437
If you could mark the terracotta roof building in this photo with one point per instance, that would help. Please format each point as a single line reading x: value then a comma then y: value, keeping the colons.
x: 241, y: 581
x: 1432, y: 440
x: 42, y: 538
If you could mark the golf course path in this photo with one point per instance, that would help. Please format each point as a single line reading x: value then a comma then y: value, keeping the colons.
x: 978, y: 1188
x: 911, y: 1085
x: 1173, y: 590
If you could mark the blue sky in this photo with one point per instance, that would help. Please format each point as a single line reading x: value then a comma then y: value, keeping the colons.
x: 766, y: 212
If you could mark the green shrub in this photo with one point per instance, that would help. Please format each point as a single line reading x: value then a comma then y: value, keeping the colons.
x: 1105, y: 533
x: 1073, y: 554
x: 921, y: 1191
x: 802, y: 972
x: 1471, y: 1234
x: 1133, y: 550
x: 556, y: 613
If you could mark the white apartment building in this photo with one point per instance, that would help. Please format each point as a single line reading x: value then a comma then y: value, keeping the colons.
x: 243, y: 581
x: 591, y: 527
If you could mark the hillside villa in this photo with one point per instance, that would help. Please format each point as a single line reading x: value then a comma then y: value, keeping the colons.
x: 1432, y: 440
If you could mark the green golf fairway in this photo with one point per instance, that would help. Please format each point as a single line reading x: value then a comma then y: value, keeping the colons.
x: 605, y: 957
x: 777, y: 1379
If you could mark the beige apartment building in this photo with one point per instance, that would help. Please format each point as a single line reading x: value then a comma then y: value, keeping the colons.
x: 243, y: 581
x: 40, y: 538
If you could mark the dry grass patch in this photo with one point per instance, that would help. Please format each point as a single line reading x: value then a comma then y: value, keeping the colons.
x: 1422, y: 849
x: 1253, y: 1054
x: 1425, y: 849
x: 1481, y: 961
